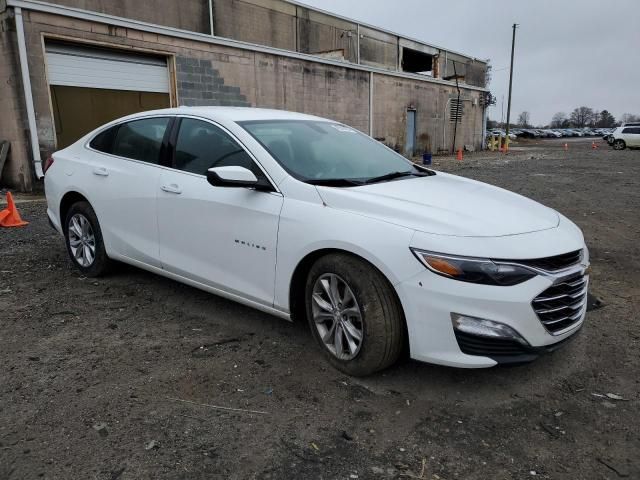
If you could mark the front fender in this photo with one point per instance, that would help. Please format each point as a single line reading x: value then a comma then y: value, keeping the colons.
x: 309, y: 227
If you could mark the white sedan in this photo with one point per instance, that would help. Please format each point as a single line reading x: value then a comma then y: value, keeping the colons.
x: 626, y: 136
x: 306, y: 218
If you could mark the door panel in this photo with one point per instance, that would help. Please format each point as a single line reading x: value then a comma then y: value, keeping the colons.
x: 222, y: 237
x: 123, y: 174
x: 123, y: 193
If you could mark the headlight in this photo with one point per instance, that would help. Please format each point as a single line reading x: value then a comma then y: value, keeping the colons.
x: 482, y: 327
x: 474, y: 270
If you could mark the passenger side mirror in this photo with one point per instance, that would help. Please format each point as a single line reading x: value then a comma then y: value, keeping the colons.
x: 231, y: 177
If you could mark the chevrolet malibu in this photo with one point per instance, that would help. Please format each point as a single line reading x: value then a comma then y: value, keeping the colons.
x: 309, y: 219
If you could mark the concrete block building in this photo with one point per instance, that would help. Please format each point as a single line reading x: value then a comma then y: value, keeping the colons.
x: 68, y: 66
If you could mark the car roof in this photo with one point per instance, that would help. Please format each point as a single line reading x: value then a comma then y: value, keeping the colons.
x: 234, y: 114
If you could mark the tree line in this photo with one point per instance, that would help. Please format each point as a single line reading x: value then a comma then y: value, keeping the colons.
x: 580, y: 117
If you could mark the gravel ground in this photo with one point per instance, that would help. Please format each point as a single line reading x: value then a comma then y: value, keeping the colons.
x: 116, y: 378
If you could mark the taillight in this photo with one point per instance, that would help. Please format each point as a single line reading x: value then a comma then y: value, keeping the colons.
x: 47, y: 164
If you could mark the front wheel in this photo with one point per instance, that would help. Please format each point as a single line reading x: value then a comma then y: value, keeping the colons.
x: 619, y: 145
x: 354, y: 314
x: 84, y: 240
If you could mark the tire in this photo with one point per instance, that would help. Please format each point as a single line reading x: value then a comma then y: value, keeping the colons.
x: 380, y: 322
x: 81, y: 233
x: 619, y: 144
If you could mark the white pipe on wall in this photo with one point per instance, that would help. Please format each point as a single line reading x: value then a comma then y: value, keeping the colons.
x: 358, y: 44
x: 211, y: 17
x: 371, y: 104
x: 28, y: 96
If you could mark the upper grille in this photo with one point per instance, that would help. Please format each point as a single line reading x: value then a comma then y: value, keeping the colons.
x: 558, y: 262
x: 561, y: 305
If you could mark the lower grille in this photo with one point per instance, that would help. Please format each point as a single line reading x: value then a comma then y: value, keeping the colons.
x: 488, y: 346
x: 560, y: 306
x: 504, y: 351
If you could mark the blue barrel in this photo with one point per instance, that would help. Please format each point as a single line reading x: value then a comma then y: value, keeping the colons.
x: 426, y: 159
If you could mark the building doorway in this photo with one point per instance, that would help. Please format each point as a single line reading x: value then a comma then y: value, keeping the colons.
x: 410, y: 142
x: 92, y: 86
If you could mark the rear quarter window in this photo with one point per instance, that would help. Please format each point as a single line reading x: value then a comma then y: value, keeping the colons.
x: 141, y: 139
x: 104, y: 140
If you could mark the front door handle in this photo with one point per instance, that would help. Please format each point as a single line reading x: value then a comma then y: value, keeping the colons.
x: 101, y: 172
x: 172, y: 188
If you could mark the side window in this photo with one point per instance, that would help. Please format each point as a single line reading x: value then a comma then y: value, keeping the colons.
x: 104, y: 140
x: 201, y: 146
x: 627, y: 130
x: 141, y: 139
x: 635, y: 130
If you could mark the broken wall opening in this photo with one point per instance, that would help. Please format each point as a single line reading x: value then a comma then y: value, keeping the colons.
x: 414, y: 61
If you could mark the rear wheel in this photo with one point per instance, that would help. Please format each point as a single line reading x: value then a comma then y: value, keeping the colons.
x: 354, y: 314
x: 84, y: 240
x: 619, y: 144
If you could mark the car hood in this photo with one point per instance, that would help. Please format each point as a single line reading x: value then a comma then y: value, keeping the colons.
x: 446, y: 205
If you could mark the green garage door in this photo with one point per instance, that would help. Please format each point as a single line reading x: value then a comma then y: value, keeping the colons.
x: 92, y: 86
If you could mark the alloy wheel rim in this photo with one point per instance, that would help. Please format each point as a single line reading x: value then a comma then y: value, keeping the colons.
x: 337, y: 316
x: 82, y: 241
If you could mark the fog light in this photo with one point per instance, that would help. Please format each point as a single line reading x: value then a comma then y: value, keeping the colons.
x: 485, y: 328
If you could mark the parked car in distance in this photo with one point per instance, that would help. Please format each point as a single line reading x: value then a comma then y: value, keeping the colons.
x: 626, y: 137
x: 608, y: 135
x: 496, y: 132
x: 552, y: 134
x: 528, y: 133
x: 373, y: 251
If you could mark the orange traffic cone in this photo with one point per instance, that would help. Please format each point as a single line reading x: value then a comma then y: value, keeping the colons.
x: 594, y: 146
x: 566, y: 147
x: 459, y: 156
x: 9, y: 217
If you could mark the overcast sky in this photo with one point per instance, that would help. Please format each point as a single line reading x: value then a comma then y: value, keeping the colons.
x: 568, y: 52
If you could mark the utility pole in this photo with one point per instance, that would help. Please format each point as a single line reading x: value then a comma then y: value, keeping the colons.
x: 455, y: 125
x: 513, y: 48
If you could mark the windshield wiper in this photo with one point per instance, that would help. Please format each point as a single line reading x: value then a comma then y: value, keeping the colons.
x: 392, y: 175
x: 334, y: 182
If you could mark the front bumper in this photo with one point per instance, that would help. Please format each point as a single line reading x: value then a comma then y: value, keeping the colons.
x: 429, y: 300
x: 505, y: 351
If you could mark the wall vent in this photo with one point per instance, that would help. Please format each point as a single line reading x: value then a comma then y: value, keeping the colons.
x: 454, y: 108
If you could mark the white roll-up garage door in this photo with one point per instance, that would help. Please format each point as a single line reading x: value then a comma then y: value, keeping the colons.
x: 77, y: 66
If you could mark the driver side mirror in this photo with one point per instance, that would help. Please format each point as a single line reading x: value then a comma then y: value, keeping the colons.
x: 235, y: 176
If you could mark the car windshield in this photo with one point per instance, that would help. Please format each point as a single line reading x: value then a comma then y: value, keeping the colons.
x: 327, y: 153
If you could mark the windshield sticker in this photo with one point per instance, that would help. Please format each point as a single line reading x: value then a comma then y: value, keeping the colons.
x: 340, y: 128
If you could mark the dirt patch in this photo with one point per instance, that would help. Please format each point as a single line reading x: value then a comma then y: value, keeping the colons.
x: 95, y: 373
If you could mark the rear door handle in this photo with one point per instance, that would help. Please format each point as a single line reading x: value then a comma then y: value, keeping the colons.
x: 172, y: 188
x: 101, y: 171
